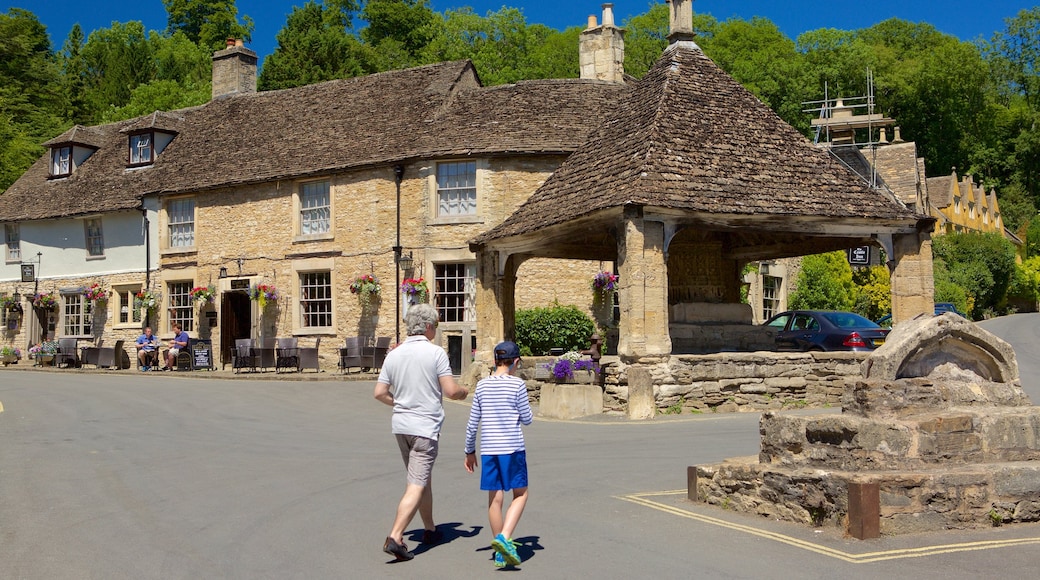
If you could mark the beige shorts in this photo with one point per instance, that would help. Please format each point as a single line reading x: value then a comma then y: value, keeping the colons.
x: 418, y: 453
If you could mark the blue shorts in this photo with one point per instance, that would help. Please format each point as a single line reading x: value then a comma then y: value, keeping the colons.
x: 503, y: 472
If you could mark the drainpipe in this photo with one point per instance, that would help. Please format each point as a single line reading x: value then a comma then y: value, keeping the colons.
x: 398, y: 176
x: 147, y: 261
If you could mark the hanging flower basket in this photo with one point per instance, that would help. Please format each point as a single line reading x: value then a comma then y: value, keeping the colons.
x: 367, y: 289
x: 45, y: 301
x: 9, y: 303
x: 263, y: 294
x: 147, y: 299
x: 603, y: 285
x: 96, y: 293
x: 415, y: 287
x: 202, y: 294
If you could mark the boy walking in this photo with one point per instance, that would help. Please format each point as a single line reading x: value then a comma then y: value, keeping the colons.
x: 500, y: 407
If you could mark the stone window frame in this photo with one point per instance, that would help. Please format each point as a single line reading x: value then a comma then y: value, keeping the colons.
x: 123, y: 297
x: 76, y: 314
x: 309, y: 266
x: 445, y: 289
x: 167, y: 227
x: 179, y: 305
x: 299, y: 210
x: 480, y: 175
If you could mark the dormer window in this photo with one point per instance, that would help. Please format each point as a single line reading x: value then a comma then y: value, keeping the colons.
x: 141, y: 149
x: 61, y: 161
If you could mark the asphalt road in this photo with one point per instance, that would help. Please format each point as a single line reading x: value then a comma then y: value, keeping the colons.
x: 140, y: 477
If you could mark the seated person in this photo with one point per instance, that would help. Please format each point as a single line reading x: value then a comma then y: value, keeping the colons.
x: 147, y: 344
x: 179, y: 343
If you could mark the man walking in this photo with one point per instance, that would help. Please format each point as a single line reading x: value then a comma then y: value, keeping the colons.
x: 414, y: 378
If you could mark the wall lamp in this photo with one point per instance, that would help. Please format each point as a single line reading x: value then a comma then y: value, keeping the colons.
x: 405, y: 262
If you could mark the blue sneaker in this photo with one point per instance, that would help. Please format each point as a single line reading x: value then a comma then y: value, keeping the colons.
x: 500, y: 562
x: 507, y: 548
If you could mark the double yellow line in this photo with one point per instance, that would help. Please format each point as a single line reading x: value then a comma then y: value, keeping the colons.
x: 641, y: 499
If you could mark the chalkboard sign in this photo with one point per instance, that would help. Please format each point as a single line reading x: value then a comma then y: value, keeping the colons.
x: 202, y: 355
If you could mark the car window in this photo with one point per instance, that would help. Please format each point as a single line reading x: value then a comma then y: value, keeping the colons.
x: 849, y: 320
x: 779, y: 321
x: 804, y: 322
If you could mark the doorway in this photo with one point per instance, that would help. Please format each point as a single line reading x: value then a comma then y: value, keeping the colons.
x: 235, y: 323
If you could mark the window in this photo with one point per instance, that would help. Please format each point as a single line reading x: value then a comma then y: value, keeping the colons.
x: 770, y: 295
x: 77, y: 314
x: 14, y: 244
x: 3, y: 315
x: 314, y: 208
x: 127, y: 313
x: 140, y: 148
x: 181, y: 216
x: 457, y: 188
x: 316, y: 299
x: 95, y: 241
x: 181, y: 307
x: 61, y: 161
x: 455, y: 292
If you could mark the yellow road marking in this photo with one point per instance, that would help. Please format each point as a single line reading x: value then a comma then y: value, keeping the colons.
x: 641, y: 499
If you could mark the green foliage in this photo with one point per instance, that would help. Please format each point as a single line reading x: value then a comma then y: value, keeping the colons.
x: 874, y: 295
x: 540, y: 329
x: 824, y: 283
x: 207, y: 23
x: 1033, y: 238
x: 946, y: 290
x: 1026, y: 282
x: 982, y: 264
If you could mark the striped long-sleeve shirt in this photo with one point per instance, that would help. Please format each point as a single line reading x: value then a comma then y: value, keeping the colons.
x: 500, y: 406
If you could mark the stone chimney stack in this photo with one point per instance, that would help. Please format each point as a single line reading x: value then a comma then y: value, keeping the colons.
x: 601, y: 49
x: 680, y: 20
x: 234, y: 70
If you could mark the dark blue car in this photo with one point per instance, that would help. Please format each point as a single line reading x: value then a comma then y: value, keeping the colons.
x: 940, y: 308
x: 806, y: 330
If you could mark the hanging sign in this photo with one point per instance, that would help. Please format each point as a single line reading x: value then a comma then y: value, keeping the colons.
x: 859, y: 256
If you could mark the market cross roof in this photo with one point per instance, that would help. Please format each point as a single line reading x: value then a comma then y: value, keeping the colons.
x: 690, y: 137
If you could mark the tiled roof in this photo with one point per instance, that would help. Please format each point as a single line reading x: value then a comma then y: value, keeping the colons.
x: 423, y: 112
x: 940, y: 192
x: 690, y: 137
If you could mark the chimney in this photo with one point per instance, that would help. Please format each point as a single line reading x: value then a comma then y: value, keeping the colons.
x: 883, y: 138
x: 680, y: 21
x: 234, y: 70
x: 897, y: 138
x: 601, y: 49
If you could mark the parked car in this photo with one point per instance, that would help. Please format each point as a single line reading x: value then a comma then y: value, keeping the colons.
x: 940, y: 307
x: 805, y: 330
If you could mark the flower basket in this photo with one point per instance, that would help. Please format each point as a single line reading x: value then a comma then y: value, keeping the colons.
x: 415, y: 288
x: 45, y: 301
x: 202, y: 294
x: 8, y: 303
x: 96, y: 293
x: 570, y: 365
x: 603, y: 285
x: 367, y: 289
x: 147, y: 299
x: 10, y: 354
x: 263, y: 294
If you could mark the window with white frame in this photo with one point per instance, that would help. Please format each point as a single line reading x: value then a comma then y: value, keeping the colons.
x: 3, y: 314
x: 455, y: 292
x: 76, y: 319
x: 14, y: 243
x: 127, y: 313
x: 61, y: 161
x: 770, y: 296
x: 181, y: 306
x: 141, y: 148
x: 315, y: 210
x: 94, y: 238
x: 180, y: 215
x: 316, y: 299
x: 457, y: 188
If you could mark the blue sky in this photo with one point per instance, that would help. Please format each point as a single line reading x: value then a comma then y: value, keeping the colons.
x: 964, y: 19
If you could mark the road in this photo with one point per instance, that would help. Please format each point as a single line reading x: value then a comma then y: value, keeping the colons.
x: 161, y: 477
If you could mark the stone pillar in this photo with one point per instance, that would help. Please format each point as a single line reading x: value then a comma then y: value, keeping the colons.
x: 913, y: 288
x: 641, y: 404
x: 642, y: 287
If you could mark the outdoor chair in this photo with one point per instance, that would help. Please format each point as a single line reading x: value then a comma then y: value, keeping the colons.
x: 242, y: 357
x: 88, y: 355
x: 111, y: 357
x: 350, y: 354
x: 379, y: 352
x: 287, y: 355
x: 264, y: 353
x: 67, y: 354
x: 309, y: 356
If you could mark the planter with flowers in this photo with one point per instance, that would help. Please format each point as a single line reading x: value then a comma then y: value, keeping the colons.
x: 147, y: 299
x: 367, y: 289
x: 415, y: 289
x: 571, y: 367
x: 96, y: 293
x: 604, y: 285
x: 203, y: 295
x: 10, y: 355
x: 263, y: 295
x: 10, y: 303
x: 45, y: 301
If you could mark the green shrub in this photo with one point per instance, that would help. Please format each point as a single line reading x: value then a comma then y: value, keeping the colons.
x: 541, y: 329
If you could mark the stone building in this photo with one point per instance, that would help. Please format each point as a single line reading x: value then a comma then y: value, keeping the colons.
x: 305, y: 190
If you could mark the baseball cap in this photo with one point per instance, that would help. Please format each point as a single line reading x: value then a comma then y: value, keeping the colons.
x: 507, y: 349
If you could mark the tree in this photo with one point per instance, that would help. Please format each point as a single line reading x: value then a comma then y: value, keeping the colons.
x: 982, y: 264
x: 874, y: 292
x: 1033, y: 238
x: 314, y: 46
x: 824, y: 283
x: 398, y: 30
x: 207, y: 23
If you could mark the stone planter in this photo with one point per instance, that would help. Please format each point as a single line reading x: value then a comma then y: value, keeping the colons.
x: 9, y: 359
x: 578, y: 378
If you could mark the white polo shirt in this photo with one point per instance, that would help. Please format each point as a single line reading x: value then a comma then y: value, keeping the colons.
x: 413, y: 371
